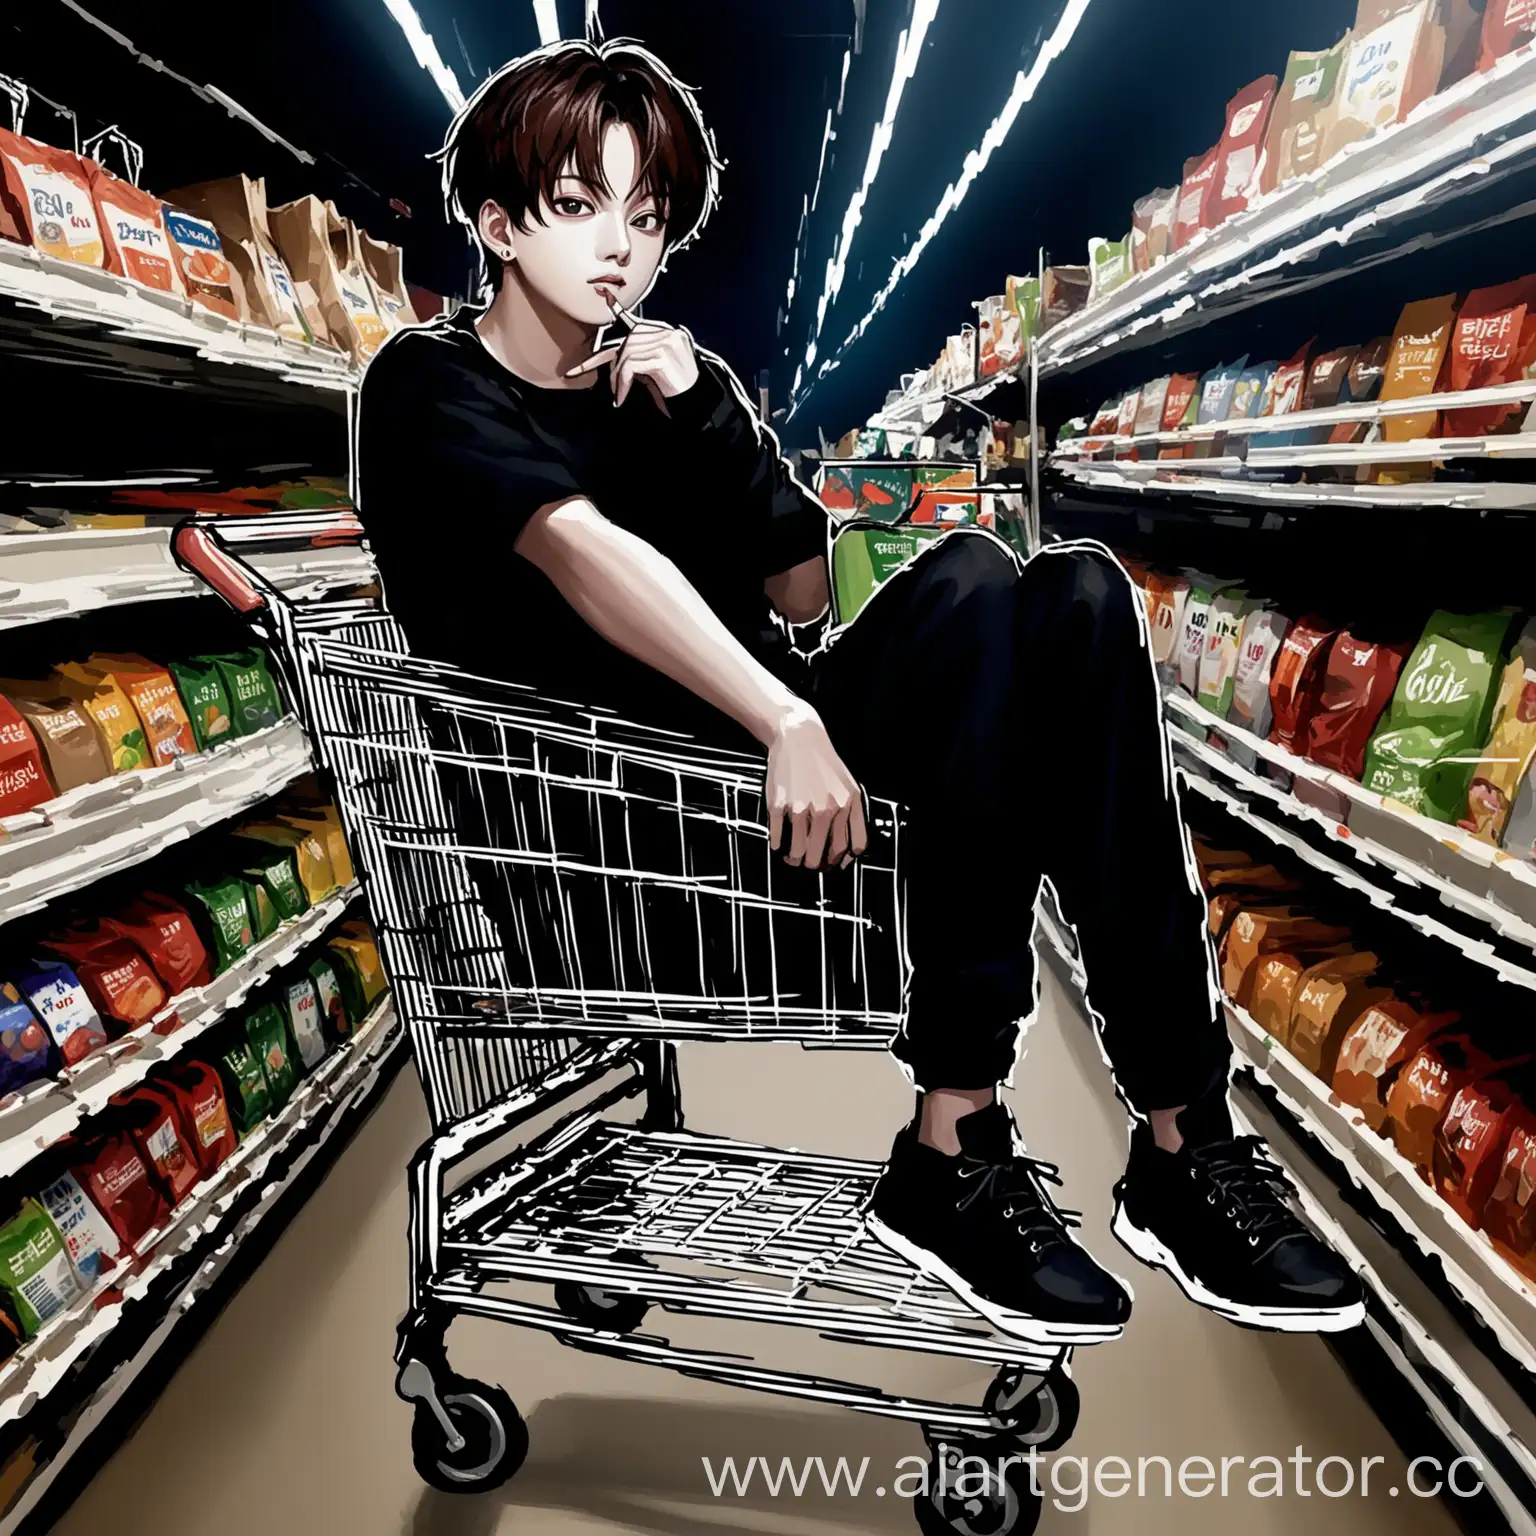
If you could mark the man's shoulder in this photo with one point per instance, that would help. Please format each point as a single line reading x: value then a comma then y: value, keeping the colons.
x: 420, y: 359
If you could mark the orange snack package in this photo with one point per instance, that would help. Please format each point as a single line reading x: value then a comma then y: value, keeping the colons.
x: 46, y: 202
x: 133, y: 231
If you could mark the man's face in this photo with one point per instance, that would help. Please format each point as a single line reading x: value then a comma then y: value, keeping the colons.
x: 591, y: 241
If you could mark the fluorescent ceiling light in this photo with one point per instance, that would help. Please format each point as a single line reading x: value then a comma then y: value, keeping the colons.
x: 426, y: 51
x: 1025, y: 84
x: 549, y: 22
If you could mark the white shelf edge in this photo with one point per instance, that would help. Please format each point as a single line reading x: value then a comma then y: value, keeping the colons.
x: 1513, y: 445
x: 84, y: 1090
x: 79, y: 838
x: 44, y: 1361
x: 122, y: 307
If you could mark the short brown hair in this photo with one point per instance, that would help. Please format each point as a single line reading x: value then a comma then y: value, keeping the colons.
x: 548, y: 111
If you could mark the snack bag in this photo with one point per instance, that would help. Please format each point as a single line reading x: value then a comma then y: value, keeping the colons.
x: 263, y: 286
x: 73, y: 750
x: 316, y: 874
x: 247, y: 1097
x: 198, y: 1095
x: 1274, y: 993
x: 58, y: 999
x: 264, y: 918
x: 116, y: 1178
x: 1366, y: 375
x: 23, y: 783
x: 1153, y: 402
x: 319, y: 247
x: 1109, y: 261
x: 25, y: 1055
x: 1305, y: 108
x: 1196, y: 634
x: 1498, y: 778
x: 35, y: 1267
x: 198, y: 256
x: 1419, y: 346
x: 333, y: 1009
x: 112, y: 713
x: 1376, y: 1048
x: 153, y: 1123
x: 224, y: 915
x: 1236, y: 181
x: 1024, y: 295
x: 273, y: 1050
x: 206, y: 702
x: 1390, y: 68
x: 1509, y: 1217
x: 1248, y: 392
x: 1495, y: 330
x: 164, y: 930
x: 1358, y: 681
x: 133, y: 231
x: 93, y: 1246
x: 117, y: 978
x: 1507, y: 25
x: 1152, y: 227
x: 166, y: 727
x: 1195, y: 197
x: 1182, y: 391
x: 45, y: 201
x: 1258, y: 646
x: 325, y: 822
x: 381, y: 262
x: 301, y: 1006
x: 254, y: 701
x: 1063, y: 291
x: 1330, y: 995
x: 1289, y: 386
x: 1260, y: 931
x: 1296, y: 684
x: 1166, y: 596
x: 275, y: 872
x: 1218, y: 667
x: 1470, y: 1144
x: 1424, y: 753
x: 1423, y: 1092
x: 358, y: 968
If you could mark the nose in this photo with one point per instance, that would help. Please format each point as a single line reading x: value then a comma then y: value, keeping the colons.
x: 613, y: 239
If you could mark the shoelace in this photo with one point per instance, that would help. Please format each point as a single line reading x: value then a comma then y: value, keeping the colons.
x: 1018, y: 1184
x: 1249, y: 1186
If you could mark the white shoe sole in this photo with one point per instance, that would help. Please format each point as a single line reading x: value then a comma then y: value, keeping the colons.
x: 1019, y: 1325
x: 1151, y: 1251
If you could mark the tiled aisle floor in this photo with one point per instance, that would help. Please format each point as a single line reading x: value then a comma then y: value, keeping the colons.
x: 284, y: 1418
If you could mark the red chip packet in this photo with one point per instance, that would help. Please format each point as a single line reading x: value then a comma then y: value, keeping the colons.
x: 165, y: 932
x: 116, y: 1177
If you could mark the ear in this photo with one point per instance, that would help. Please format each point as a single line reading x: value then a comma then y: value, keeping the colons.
x: 496, y: 230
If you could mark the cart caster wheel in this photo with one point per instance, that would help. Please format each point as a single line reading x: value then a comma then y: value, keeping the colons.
x: 980, y: 1497
x: 619, y: 1311
x: 493, y: 1436
x: 1043, y: 1416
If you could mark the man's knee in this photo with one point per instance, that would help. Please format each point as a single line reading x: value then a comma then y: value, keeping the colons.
x: 972, y: 565
x: 1096, y: 586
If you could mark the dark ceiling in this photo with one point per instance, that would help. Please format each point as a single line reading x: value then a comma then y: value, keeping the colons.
x: 1141, y: 86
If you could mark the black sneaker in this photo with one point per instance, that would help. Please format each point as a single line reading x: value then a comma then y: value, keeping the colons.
x: 982, y: 1224
x: 1217, y: 1216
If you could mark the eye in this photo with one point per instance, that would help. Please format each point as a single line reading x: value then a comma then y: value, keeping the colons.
x: 647, y: 223
x: 572, y: 207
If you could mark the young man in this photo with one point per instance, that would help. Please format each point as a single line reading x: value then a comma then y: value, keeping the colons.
x: 632, y: 524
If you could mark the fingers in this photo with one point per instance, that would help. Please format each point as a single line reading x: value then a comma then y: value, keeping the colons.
x: 800, y: 827
x: 858, y: 833
x: 816, y: 837
x: 597, y: 360
x: 620, y: 313
x: 776, y: 813
x: 635, y: 362
x: 837, y: 840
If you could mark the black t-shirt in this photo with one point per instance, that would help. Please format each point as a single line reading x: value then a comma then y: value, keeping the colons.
x: 456, y: 454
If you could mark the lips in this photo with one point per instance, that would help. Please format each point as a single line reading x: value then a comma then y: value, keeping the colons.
x: 607, y: 282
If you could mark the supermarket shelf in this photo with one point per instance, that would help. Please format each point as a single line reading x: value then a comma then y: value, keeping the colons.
x: 1458, y: 142
x: 353, y: 1105
x: 48, y: 1110
x: 1513, y: 445
x: 123, y: 309
x: 1470, y: 876
x: 909, y: 413
x: 1519, y: 392
x: 213, y: 1210
x: 1375, y: 891
x: 1412, y: 1328
x: 51, y: 575
x: 1482, y: 495
x: 95, y: 830
x: 1474, y: 1268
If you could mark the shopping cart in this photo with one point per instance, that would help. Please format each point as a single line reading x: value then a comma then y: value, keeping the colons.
x: 559, y: 897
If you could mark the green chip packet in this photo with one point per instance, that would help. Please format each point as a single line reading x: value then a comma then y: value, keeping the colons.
x: 276, y: 871
x: 245, y: 1087
x: 205, y: 698
x: 263, y: 910
x: 35, y: 1267
x: 272, y: 1046
x: 334, y: 1019
x: 227, y: 918
x: 254, y: 701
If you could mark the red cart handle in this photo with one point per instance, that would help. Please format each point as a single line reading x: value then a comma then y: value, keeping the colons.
x: 197, y: 550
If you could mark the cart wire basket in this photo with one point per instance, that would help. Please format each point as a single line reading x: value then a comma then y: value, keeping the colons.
x: 559, y: 897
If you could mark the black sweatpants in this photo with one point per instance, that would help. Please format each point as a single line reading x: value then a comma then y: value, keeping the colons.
x: 1012, y: 709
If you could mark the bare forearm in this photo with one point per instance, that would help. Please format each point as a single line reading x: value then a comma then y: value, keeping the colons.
x: 639, y: 601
